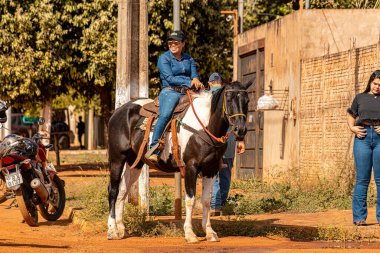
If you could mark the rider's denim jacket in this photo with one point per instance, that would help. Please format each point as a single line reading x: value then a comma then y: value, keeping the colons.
x: 176, y: 72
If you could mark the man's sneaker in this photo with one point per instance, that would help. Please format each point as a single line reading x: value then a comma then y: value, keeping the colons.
x: 215, y: 212
x: 153, y: 158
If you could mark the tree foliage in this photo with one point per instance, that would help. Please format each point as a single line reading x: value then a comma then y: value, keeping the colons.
x: 209, y: 36
x: 49, y: 48
x: 36, y: 57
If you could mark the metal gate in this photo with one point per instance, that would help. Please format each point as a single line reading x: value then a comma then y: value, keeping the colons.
x: 252, y: 62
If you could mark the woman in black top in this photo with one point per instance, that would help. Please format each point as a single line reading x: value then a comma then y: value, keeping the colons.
x: 364, y: 122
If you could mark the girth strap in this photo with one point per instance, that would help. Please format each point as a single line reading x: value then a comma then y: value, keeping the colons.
x: 144, y: 143
x: 176, y: 148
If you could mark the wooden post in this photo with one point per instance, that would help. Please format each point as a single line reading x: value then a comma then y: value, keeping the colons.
x: 177, y: 175
x: 90, y: 129
x: 143, y: 92
x: 56, y: 148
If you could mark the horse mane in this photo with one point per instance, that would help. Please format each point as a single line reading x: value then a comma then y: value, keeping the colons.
x: 215, y: 98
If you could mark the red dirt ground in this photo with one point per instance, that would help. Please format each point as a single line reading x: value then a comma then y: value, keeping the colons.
x: 63, y: 236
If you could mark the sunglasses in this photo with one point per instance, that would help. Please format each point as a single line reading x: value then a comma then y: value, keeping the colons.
x: 174, y: 43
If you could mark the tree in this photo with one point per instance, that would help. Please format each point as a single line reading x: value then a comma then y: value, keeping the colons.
x: 209, y: 36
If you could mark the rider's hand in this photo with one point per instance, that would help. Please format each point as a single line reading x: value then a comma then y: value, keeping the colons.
x: 240, y: 147
x: 359, y: 131
x: 195, y: 83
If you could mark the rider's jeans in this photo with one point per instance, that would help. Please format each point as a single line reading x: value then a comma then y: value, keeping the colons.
x: 168, y: 101
x: 367, y: 155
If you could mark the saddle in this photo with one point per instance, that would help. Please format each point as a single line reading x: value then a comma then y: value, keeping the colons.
x: 151, y: 111
x: 153, y: 108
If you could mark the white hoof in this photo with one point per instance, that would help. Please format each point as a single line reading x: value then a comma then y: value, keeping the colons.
x: 212, y: 237
x: 191, y: 239
x: 113, y: 235
x: 121, y: 232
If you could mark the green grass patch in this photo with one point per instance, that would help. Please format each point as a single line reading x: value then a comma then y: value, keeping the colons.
x: 262, y: 197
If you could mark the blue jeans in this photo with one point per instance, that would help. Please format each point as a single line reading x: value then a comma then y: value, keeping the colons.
x: 221, y: 186
x: 168, y: 101
x: 366, y: 155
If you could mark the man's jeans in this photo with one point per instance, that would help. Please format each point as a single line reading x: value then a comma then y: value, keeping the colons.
x: 366, y: 154
x: 168, y: 101
x: 221, y: 186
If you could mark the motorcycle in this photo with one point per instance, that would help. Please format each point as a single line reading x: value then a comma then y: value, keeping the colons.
x: 34, y: 188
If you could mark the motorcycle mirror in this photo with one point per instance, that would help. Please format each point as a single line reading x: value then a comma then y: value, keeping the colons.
x: 41, y: 120
x: 3, y: 105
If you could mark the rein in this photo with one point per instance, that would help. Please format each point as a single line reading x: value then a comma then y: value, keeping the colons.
x: 222, y: 139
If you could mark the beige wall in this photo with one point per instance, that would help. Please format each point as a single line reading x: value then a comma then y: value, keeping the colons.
x: 298, y: 36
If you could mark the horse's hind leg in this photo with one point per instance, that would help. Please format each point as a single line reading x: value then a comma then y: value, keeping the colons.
x: 116, y: 228
x: 207, y: 184
x: 117, y: 177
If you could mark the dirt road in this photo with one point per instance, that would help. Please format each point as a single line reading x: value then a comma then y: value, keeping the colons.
x: 63, y: 236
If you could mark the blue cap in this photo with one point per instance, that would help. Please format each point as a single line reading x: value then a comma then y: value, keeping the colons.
x: 215, y: 77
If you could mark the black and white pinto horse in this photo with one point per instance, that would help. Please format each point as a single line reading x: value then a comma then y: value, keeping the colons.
x: 217, y: 111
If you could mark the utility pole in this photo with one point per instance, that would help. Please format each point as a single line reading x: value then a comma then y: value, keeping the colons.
x: 240, y: 14
x: 307, y: 4
x: 177, y: 175
x: 234, y: 14
x: 132, y: 72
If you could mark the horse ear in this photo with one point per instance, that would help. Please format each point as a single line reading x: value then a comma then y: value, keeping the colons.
x: 246, y: 85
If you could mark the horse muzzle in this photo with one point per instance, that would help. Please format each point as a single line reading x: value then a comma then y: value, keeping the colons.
x: 240, y: 132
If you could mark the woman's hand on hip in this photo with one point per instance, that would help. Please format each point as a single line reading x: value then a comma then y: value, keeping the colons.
x: 195, y: 83
x: 359, y: 131
x: 377, y: 129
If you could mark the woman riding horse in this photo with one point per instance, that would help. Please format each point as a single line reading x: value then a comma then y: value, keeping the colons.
x: 178, y: 73
x: 201, y: 139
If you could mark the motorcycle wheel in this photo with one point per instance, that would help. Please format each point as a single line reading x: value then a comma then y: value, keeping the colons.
x: 53, y: 209
x: 27, y: 207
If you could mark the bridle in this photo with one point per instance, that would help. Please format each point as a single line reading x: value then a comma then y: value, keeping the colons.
x: 222, y: 139
x: 225, y: 112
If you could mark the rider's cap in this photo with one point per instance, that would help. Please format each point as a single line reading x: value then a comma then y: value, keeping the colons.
x: 178, y: 36
x: 215, y: 77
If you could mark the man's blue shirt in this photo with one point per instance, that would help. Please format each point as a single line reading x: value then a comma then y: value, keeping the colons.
x: 176, y: 72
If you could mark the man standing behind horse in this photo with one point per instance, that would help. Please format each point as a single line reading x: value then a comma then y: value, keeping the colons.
x: 178, y: 73
x: 222, y: 182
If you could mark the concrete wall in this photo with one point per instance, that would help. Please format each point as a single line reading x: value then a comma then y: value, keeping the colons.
x: 301, y: 35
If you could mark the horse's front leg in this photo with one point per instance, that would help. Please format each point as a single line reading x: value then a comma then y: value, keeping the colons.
x: 190, y: 188
x: 207, y: 184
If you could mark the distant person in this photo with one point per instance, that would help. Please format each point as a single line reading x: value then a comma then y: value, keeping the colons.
x: 222, y: 182
x: 81, y: 129
x: 364, y: 121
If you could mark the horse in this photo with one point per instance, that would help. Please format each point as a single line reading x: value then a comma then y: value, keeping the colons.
x: 211, y: 115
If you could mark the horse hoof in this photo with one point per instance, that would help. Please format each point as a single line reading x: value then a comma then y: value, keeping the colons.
x: 121, y: 232
x: 192, y: 239
x: 113, y: 235
x: 212, y: 237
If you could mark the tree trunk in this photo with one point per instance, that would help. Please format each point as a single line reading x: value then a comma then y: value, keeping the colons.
x: 107, y: 107
x: 46, y: 113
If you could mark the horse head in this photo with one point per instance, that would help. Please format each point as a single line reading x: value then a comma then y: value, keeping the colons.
x: 235, y: 107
